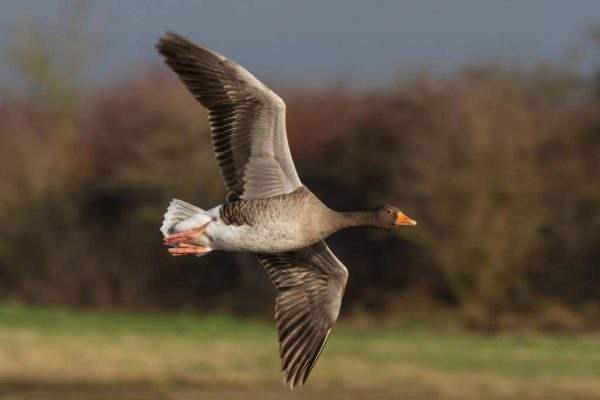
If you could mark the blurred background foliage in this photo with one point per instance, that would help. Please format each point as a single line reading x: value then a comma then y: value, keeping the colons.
x: 499, y: 164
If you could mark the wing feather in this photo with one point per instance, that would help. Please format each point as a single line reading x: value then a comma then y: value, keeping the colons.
x: 247, y: 119
x: 311, y: 283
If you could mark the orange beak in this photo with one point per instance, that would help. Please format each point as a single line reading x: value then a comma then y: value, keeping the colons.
x: 402, y: 219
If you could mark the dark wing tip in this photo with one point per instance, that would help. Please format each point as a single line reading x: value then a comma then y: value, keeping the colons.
x: 171, y: 44
x: 165, y: 40
x: 171, y: 36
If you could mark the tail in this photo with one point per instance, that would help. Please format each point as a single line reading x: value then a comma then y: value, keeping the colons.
x: 178, y: 211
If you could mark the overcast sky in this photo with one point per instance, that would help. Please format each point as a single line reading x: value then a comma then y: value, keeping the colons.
x: 363, y: 42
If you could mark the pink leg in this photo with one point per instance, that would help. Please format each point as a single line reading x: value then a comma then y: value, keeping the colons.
x: 185, y: 236
x: 187, y: 248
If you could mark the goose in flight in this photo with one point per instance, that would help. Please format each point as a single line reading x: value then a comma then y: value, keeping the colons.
x: 267, y: 211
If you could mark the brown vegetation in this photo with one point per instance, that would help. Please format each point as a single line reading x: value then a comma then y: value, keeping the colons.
x: 499, y: 166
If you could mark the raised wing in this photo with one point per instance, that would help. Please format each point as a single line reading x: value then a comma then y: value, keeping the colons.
x: 311, y: 284
x: 246, y: 118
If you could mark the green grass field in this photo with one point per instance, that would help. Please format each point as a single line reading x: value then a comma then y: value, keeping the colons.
x: 51, y: 354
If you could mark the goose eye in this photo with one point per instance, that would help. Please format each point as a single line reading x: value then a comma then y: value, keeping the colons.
x: 389, y: 212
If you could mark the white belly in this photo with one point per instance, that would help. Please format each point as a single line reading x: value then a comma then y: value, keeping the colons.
x: 267, y: 238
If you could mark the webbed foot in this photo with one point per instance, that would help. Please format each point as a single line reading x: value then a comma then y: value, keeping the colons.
x: 187, y: 248
x: 185, y: 236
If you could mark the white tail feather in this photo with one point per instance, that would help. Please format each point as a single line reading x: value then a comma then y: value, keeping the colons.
x: 178, y: 211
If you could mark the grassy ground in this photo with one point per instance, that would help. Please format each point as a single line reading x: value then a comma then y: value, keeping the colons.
x: 47, y: 354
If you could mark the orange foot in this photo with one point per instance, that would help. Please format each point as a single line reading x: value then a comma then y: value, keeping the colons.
x: 187, y: 248
x: 185, y: 236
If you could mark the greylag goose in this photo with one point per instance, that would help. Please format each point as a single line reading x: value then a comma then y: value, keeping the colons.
x: 267, y: 211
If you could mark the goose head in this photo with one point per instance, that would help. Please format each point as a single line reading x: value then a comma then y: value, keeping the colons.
x: 386, y: 216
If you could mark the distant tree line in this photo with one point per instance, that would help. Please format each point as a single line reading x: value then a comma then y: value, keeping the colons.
x: 499, y: 165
